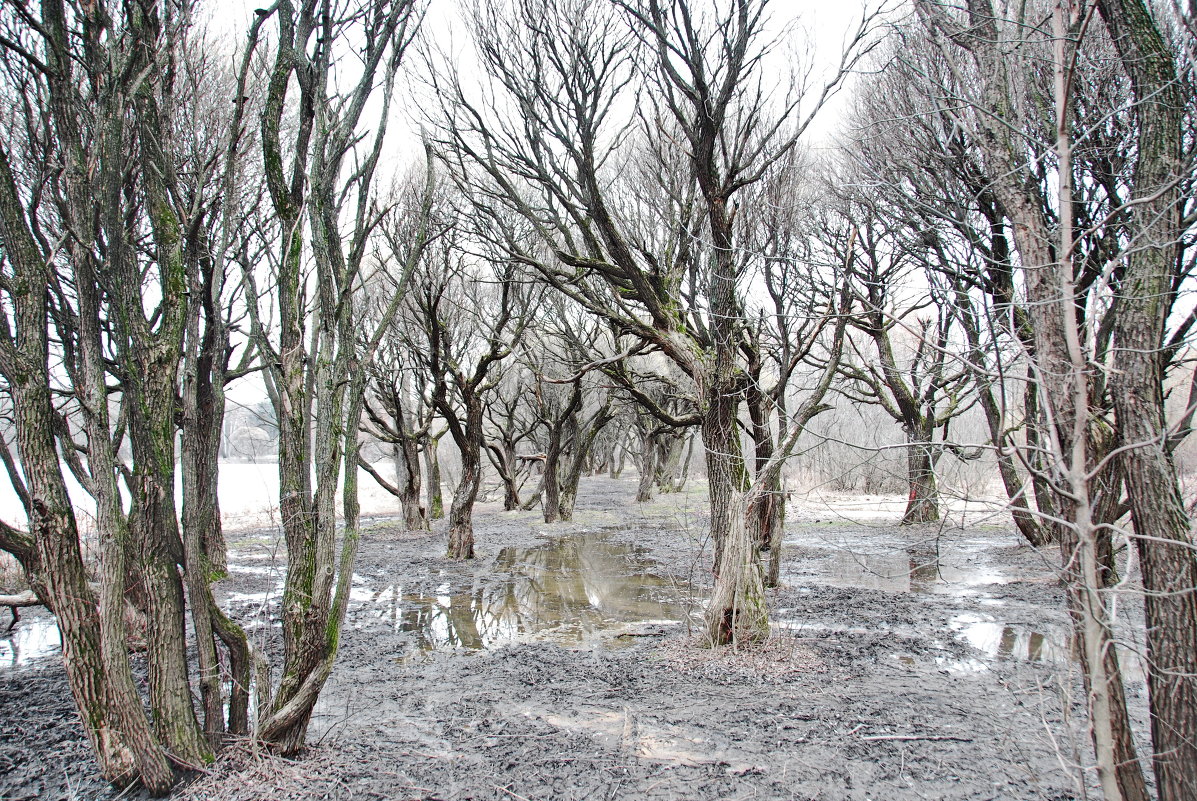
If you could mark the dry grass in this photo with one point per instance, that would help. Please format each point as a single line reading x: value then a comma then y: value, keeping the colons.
x: 243, y: 773
x: 355, y: 769
x: 778, y: 658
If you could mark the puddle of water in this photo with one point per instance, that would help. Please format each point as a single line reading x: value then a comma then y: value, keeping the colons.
x: 571, y: 590
x: 1011, y: 641
x: 32, y: 639
x: 897, y: 572
x: 947, y: 565
x: 882, y: 560
x: 257, y: 570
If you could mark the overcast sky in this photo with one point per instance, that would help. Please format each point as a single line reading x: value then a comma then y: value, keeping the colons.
x: 806, y: 29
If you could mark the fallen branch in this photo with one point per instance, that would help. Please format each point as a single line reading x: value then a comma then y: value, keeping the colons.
x: 14, y: 602
x: 26, y: 598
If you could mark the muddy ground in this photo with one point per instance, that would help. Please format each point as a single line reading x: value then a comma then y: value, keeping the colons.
x: 907, y: 663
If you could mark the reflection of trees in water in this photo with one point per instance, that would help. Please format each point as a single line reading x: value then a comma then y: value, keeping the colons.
x: 1016, y: 642
x: 574, y: 585
x: 917, y: 569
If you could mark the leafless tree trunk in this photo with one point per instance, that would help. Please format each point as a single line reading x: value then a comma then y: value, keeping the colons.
x: 709, y: 136
x: 1061, y: 364
x: 432, y: 468
x: 126, y: 749
x: 317, y: 387
x: 1163, y: 530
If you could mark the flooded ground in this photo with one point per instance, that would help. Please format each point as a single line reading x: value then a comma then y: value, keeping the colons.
x: 571, y: 590
x: 30, y: 641
x: 922, y: 662
x: 950, y: 562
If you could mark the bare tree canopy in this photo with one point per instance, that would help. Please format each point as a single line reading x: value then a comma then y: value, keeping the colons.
x: 488, y: 258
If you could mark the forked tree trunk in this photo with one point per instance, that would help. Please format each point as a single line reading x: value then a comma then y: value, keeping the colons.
x: 583, y: 446
x: 505, y: 461
x: 109, y: 706
x: 108, y: 703
x: 618, y: 457
x: 670, y: 451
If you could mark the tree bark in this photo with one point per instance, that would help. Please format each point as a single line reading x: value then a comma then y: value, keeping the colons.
x: 469, y: 439
x: 922, y: 505
x: 406, y: 455
x: 552, y: 484
x: 583, y: 445
x: 109, y: 707
x: 1059, y: 367
x: 647, y: 465
x: 432, y: 466
x: 1164, y: 537
x: 737, y: 612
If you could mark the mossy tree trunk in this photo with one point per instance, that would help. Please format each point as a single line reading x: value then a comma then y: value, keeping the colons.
x: 922, y: 502
x: 109, y: 707
x: 432, y: 466
x: 316, y: 376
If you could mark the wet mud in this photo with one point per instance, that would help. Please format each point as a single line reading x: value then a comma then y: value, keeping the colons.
x: 563, y: 663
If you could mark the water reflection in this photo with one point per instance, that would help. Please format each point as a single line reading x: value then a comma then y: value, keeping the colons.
x: 32, y: 639
x: 897, y: 572
x: 570, y: 590
x: 880, y: 561
x: 1011, y: 641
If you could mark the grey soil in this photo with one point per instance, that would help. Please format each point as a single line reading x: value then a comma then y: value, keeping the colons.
x: 947, y: 681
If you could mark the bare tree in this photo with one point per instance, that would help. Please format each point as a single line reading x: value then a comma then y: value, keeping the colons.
x: 322, y: 189
x: 1067, y: 251
x: 118, y: 209
x: 565, y: 67
x: 398, y: 415
x: 911, y: 373
x: 571, y: 409
x: 511, y: 423
x: 469, y: 320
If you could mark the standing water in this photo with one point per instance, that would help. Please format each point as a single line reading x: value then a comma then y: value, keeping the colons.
x: 571, y: 590
x: 32, y: 639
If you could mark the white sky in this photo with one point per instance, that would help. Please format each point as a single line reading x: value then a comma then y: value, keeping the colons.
x: 811, y: 28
